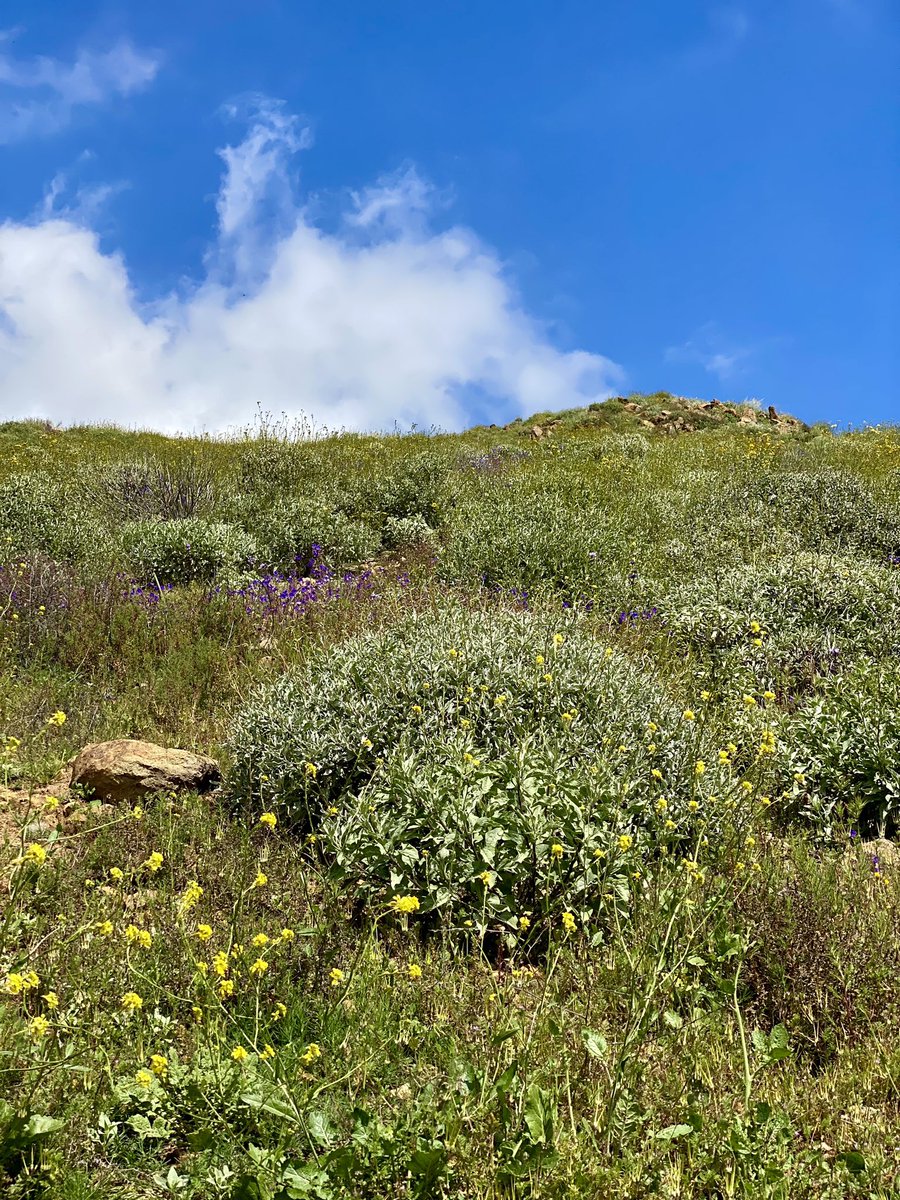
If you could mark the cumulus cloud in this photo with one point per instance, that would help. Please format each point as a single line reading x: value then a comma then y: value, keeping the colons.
x: 39, y: 95
x: 382, y: 319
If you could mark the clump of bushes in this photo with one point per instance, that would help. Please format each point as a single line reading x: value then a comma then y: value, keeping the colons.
x: 37, y: 515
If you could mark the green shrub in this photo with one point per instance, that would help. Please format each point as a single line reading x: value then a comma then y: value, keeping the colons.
x: 407, y: 531
x: 845, y: 753
x: 414, y: 486
x: 285, y: 534
x: 471, y: 742
x: 173, y: 552
x: 825, y: 509
x: 37, y: 515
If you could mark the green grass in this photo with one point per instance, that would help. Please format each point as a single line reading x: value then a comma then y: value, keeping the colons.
x: 580, y: 784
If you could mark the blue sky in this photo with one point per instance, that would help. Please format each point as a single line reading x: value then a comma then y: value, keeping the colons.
x: 440, y: 213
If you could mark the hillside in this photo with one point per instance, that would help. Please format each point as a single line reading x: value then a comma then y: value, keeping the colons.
x: 553, y: 854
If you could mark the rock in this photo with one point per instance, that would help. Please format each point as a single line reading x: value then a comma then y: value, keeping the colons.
x: 536, y: 431
x: 772, y: 413
x: 128, y: 770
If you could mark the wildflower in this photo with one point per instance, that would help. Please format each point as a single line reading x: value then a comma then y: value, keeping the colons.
x: 51, y: 1000
x: 652, y: 727
x: 693, y: 805
x: 556, y: 850
x: 141, y: 937
x: 500, y: 700
x: 197, y: 1012
x: 267, y: 1052
x: 670, y: 824
x: 548, y: 677
x: 558, y: 639
x: 765, y: 801
x: 58, y: 719
x: 159, y: 1065
x: 768, y: 743
x: 312, y: 1052
x: 261, y: 880
x: 287, y: 935
x: 239, y: 1054
x: 333, y: 811
x: 132, y: 1002
x: 704, y: 695
x: 749, y: 701
x: 137, y: 812
x: 750, y: 841
x: 598, y: 853
x: 414, y: 971
x: 35, y: 854
x: 767, y: 695
x: 740, y: 866
x: 568, y: 922
x: 688, y: 714
x: 259, y: 940
x: 662, y: 804
x: 724, y: 756
x: 405, y: 904
x: 625, y: 841
x: 465, y: 723
x: 279, y: 1011
x: 51, y: 804
x: 524, y: 923
x: 747, y: 785
x: 190, y: 897
x: 115, y: 874
x: 699, y: 767
x: 226, y: 988
x: 336, y: 975
x: 259, y: 967
x: 153, y: 863
x: 105, y: 928
x: 269, y: 820
x: 15, y: 984
x: 203, y: 932
x: 220, y: 963
x: 143, y: 1078
x: 486, y: 878
x: 38, y: 1028
x: 539, y: 659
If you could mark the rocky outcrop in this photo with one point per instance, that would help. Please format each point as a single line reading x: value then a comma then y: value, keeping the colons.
x: 127, y: 770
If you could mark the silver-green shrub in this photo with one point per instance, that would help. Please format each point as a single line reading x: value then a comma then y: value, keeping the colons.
x: 185, y: 551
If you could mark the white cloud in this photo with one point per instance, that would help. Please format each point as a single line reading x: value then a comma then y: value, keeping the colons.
x: 710, y: 349
x: 384, y: 319
x: 38, y: 95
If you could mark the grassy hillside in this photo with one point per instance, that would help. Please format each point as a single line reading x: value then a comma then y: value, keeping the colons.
x: 554, y: 852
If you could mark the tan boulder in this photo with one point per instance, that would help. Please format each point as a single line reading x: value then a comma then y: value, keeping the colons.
x: 127, y: 770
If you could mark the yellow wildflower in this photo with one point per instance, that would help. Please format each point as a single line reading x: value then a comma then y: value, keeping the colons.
x: 556, y: 850
x: 35, y: 854
x: 153, y: 863
x: 132, y: 1002
x: 699, y: 767
x: 336, y: 976
x: 259, y: 940
x: 524, y: 923
x: 268, y: 1051
x: 141, y: 937
x: 226, y: 989
x: 312, y: 1052
x: 311, y: 770
x: 143, y: 1078
x: 414, y: 971
x: 259, y: 967
x: 190, y: 897
x: 159, y: 1065
x: 279, y: 1011
x: 688, y: 714
x: 261, y: 879
x: 204, y: 932
x: 269, y: 820
x: 625, y: 841
x: 51, y: 1000
x: 405, y: 904
x: 287, y: 935
x: 105, y: 928
x: 239, y: 1054
x: 568, y: 922
x: 115, y: 874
